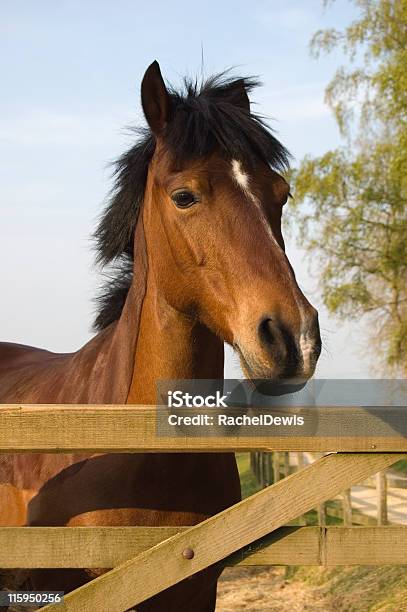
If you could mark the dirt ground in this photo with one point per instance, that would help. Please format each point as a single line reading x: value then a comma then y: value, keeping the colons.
x: 266, y: 590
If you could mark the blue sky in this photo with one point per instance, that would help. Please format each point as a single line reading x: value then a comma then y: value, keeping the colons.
x: 71, y: 73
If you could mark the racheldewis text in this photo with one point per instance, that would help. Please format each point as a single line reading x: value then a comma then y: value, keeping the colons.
x: 225, y: 420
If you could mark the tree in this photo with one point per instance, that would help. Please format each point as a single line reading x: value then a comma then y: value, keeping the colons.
x: 351, y: 201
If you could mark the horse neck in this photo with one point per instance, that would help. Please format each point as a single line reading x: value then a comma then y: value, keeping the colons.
x: 151, y: 341
x: 103, y: 369
x: 170, y: 346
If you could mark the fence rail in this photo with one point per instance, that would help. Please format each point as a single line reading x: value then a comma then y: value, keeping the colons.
x: 94, y: 547
x: 78, y: 428
x: 146, y: 561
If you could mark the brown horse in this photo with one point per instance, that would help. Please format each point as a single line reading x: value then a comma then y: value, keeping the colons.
x: 194, y: 229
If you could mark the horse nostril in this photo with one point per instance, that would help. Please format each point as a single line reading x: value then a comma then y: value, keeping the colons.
x: 278, y: 340
x: 265, y: 331
x: 314, y: 323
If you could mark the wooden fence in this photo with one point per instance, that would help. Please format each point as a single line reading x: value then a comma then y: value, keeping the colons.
x: 146, y: 561
x: 268, y: 468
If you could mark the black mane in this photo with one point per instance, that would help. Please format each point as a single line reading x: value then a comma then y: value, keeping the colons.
x: 204, y: 117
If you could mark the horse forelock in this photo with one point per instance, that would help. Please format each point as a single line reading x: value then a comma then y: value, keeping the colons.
x: 213, y: 115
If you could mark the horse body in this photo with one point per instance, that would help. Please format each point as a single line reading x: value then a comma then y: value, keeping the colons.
x: 199, y: 225
x: 114, y: 489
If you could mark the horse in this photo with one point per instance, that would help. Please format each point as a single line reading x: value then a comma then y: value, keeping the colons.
x: 193, y: 231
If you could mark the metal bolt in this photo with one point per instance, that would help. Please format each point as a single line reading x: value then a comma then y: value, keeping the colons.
x: 188, y: 553
x: 373, y: 446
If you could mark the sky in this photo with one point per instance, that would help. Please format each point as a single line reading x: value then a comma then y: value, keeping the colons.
x: 71, y: 74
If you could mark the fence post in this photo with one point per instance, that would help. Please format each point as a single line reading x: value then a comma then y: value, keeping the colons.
x: 321, y: 509
x: 269, y: 469
x: 347, y: 508
x: 254, y: 460
x: 286, y: 464
x: 266, y: 470
x: 261, y: 469
x: 276, y: 466
x: 381, y: 484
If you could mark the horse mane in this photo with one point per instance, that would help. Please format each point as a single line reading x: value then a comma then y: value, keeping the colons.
x: 206, y: 116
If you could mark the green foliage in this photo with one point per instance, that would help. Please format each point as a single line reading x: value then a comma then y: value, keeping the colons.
x: 248, y: 482
x: 351, y: 202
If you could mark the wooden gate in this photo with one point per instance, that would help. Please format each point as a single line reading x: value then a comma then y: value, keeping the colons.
x: 146, y: 561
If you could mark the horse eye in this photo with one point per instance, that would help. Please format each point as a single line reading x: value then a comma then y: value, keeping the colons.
x: 184, y: 199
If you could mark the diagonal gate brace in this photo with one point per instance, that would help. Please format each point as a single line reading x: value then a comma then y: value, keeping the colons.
x: 212, y: 540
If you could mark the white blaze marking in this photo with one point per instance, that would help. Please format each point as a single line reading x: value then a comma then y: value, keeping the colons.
x: 306, y: 347
x: 243, y: 180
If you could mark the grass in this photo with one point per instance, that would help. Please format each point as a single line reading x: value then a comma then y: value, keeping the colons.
x: 401, y: 466
x: 360, y: 588
x: 248, y: 481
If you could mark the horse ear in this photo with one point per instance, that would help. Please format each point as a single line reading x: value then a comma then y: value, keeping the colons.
x: 155, y: 98
x: 238, y: 95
